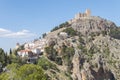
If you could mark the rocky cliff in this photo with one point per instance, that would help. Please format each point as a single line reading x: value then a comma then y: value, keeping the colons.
x: 85, y: 50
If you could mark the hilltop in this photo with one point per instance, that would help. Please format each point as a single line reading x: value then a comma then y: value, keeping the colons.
x: 84, y: 48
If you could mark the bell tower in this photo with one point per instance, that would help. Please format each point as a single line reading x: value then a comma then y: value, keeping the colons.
x: 17, y: 45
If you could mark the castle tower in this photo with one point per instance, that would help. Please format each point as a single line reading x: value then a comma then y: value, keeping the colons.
x: 88, y: 12
x: 77, y: 16
x: 17, y: 45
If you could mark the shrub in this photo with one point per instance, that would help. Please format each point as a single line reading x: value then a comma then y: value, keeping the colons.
x: 115, y: 33
x: 66, y: 24
x: 67, y: 54
x: 43, y: 35
x: 30, y: 72
x: 70, y: 31
x: 83, y: 49
x: 106, y: 51
x: 58, y: 60
x: 55, y: 28
x: 104, y: 33
x: 45, y: 64
x: 25, y: 72
x: 51, y: 53
x: 81, y: 40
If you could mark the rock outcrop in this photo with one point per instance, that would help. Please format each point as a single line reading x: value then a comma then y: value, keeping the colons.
x: 76, y: 66
x: 86, y: 25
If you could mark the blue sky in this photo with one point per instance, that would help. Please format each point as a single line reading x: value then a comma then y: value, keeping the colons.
x: 26, y: 20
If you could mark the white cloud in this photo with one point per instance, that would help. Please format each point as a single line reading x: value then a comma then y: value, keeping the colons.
x: 3, y: 31
x: 20, y: 34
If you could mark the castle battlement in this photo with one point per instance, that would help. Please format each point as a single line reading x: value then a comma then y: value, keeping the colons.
x: 80, y: 15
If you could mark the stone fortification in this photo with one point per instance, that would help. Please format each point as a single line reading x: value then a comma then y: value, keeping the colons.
x: 80, y: 15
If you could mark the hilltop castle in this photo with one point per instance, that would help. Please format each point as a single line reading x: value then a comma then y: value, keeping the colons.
x: 80, y: 15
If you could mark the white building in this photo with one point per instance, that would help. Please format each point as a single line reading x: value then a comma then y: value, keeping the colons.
x: 36, y: 51
x: 24, y: 53
x: 37, y: 44
x: 29, y: 45
x: 35, y: 47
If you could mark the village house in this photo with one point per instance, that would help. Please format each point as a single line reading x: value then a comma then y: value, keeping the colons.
x: 37, y: 44
x: 32, y: 50
x: 36, y: 51
x: 31, y: 56
x: 24, y: 53
x: 27, y: 53
x: 40, y: 43
x: 29, y: 45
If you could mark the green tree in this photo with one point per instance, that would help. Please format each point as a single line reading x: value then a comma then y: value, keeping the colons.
x: 55, y: 28
x: 65, y: 24
x: 45, y: 64
x: 11, y: 72
x: 25, y: 72
x: 30, y: 72
x: 51, y: 53
x: 43, y: 35
x: 68, y: 55
x: 115, y: 33
x: 2, y: 57
x: 4, y: 76
x: 10, y: 52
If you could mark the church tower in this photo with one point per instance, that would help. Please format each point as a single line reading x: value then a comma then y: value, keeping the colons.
x: 17, y: 45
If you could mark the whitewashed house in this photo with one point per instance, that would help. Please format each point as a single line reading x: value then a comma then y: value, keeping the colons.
x: 36, y: 51
x: 24, y: 53
x: 29, y: 45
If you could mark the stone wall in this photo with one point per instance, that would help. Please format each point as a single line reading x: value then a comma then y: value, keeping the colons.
x: 80, y: 15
